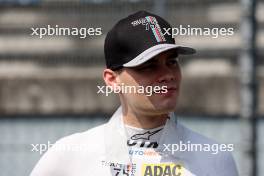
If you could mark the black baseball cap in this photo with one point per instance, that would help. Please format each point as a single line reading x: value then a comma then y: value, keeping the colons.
x: 138, y: 38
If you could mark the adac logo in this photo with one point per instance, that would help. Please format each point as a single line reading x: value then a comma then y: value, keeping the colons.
x: 162, y: 169
x: 151, y: 22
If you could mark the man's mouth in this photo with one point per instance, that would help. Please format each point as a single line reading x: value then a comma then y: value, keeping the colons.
x: 171, y: 90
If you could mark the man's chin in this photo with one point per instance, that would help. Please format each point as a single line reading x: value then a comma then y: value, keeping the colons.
x: 167, y: 104
x: 166, y: 108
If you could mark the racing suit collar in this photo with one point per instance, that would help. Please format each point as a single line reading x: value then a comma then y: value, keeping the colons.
x: 116, y: 149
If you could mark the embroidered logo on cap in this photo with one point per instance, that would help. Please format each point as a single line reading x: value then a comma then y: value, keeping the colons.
x: 151, y: 23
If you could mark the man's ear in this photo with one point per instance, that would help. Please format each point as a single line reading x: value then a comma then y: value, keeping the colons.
x: 110, y: 78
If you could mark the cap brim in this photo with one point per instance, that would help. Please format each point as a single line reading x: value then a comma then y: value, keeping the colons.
x: 156, y: 50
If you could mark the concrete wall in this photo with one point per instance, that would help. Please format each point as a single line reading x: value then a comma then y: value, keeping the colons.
x: 57, y: 75
x: 74, y: 90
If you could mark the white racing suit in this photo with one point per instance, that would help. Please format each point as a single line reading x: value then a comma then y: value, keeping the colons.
x: 103, y: 151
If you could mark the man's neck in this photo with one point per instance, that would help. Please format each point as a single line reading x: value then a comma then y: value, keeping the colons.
x: 144, y: 121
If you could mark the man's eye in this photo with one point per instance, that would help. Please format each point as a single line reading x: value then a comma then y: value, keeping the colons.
x: 173, y: 61
x: 147, y: 66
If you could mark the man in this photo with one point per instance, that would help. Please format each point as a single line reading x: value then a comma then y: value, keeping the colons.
x: 143, y: 136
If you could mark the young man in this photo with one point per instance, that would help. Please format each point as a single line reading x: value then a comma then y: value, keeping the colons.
x: 143, y: 137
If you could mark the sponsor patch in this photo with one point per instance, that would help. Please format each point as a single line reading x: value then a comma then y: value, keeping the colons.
x: 162, y: 169
x: 118, y: 169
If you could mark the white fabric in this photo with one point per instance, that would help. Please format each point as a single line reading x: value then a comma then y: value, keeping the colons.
x: 107, y: 153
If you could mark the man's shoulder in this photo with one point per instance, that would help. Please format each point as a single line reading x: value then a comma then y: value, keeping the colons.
x: 206, y: 143
x: 212, y: 153
x: 72, y: 152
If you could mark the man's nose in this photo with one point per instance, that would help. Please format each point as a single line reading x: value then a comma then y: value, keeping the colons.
x: 165, y: 74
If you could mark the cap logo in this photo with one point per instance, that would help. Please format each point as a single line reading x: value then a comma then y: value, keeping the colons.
x: 151, y: 23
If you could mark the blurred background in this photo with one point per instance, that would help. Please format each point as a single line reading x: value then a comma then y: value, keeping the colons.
x: 48, y: 86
